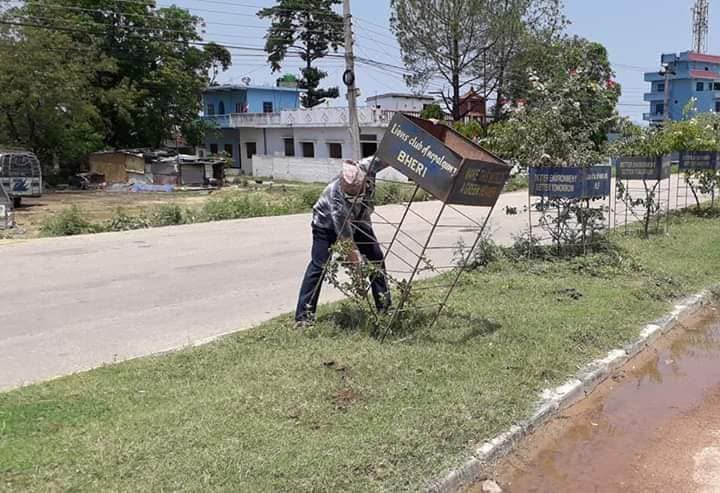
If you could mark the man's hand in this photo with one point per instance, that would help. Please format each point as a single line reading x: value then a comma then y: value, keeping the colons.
x: 353, y: 257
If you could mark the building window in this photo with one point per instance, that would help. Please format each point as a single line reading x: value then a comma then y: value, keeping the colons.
x: 716, y: 86
x: 700, y: 86
x: 289, y: 147
x: 660, y: 87
x: 240, y: 108
x: 267, y: 107
x: 213, y: 149
x: 229, y: 150
x: 210, y: 109
x: 717, y: 106
x: 308, y: 149
x: 368, y: 145
x: 221, y: 108
x: 335, y: 150
x: 250, y: 149
x: 368, y: 148
x: 660, y: 109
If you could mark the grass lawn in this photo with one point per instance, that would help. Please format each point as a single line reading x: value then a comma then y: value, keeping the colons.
x: 332, y: 409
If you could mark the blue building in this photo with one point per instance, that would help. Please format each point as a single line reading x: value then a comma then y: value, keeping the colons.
x: 222, y: 103
x: 689, y: 75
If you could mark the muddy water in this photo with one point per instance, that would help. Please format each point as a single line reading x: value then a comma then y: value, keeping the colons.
x: 653, y: 426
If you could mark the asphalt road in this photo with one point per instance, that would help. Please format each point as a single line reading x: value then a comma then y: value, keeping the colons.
x: 75, y: 303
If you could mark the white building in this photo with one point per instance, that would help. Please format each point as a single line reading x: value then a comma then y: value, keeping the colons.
x: 292, y: 142
x: 395, y: 101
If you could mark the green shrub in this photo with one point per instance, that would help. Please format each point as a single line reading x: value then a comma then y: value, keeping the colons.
x: 310, y: 196
x: 68, y: 222
x: 167, y: 215
x: 121, y: 221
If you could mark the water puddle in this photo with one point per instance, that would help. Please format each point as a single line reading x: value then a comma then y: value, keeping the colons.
x: 653, y: 426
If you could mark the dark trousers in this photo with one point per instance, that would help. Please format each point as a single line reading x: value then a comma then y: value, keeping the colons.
x: 323, y: 239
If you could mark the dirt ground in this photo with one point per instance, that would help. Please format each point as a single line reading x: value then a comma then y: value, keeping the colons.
x: 96, y: 206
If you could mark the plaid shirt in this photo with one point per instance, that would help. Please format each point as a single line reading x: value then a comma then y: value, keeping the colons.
x: 336, y: 211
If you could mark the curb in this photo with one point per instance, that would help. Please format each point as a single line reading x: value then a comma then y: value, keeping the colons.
x: 552, y: 401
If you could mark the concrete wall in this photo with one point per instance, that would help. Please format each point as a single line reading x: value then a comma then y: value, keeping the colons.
x: 271, y: 141
x: 308, y: 170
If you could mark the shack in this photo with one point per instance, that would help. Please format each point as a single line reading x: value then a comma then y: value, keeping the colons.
x: 120, y: 166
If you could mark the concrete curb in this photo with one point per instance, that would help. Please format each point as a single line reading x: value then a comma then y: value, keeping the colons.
x: 552, y: 401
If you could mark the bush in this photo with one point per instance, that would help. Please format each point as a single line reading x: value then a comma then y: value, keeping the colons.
x: 121, y: 221
x: 309, y: 197
x: 167, y: 215
x: 68, y: 222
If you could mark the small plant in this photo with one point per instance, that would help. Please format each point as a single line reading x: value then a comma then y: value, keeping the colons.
x: 68, y: 222
x: 486, y: 252
x: 167, y: 215
x: 122, y: 221
x: 649, y: 205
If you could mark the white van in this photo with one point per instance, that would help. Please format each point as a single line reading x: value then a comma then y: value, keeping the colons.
x: 20, y: 174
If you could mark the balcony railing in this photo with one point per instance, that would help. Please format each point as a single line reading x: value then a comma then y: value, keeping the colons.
x: 653, y: 117
x: 314, y: 117
x: 654, y: 96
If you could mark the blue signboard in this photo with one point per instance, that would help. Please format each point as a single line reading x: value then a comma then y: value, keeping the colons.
x: 570, y: 182
x: 442, y: 162
x: 698, y: 161
x: 420, y: 156
x: 642, y: 168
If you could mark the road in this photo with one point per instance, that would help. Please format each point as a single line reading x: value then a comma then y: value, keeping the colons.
x: 75, y: 303
x: 654, y: 426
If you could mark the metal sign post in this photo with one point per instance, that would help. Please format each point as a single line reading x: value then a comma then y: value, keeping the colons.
x: 644, y: 183
x: 456, y: 172
x: 573, y: 203
x: 689, y: 164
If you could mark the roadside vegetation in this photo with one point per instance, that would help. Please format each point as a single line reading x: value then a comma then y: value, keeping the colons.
x: 239, y: 203
x: 333, y: 409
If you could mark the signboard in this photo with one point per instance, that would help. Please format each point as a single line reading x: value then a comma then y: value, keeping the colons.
x: 480, y: 184
x: 420, y: 156
x: 643, y: 168
x: 570, y: 182
x: 442, y: 162
x: 698, y: 161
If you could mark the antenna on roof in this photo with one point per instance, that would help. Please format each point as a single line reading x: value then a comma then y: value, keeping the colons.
x: 701, y: 26
x: 246, y: 80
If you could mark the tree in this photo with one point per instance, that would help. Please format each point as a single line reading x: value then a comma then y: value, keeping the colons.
x: 696, y: 132
x: 45, y: 104
x: 152, y: 63
x: 564, y: 115
x: 465, y: 41
x: 308, y: 29
x: 554, y: 64
x: 432, y: 112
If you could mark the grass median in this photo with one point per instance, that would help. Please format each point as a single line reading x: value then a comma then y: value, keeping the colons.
x: 332, y: 409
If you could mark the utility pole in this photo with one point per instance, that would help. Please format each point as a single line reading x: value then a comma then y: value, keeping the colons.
x: 349, y: 80
x: 667, y: 71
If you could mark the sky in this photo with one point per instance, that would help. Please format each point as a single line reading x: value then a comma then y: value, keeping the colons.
x: 635, y: 32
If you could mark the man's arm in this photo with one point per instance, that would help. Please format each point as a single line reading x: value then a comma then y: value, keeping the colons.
x: 340, y: 213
